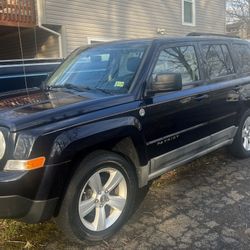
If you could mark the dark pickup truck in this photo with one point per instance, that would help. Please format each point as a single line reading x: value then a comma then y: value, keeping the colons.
x: 19, y: 74
x: 112, y: 118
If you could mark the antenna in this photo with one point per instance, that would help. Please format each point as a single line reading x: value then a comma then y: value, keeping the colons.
x: 21, y: 49
x: 35, y: 38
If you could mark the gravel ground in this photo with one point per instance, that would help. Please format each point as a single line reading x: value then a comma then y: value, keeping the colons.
x: 202, y: 205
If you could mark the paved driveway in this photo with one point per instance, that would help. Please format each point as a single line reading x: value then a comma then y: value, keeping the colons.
x: 202, y: 205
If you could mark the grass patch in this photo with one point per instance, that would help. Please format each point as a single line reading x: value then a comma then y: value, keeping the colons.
x: 18, y: 235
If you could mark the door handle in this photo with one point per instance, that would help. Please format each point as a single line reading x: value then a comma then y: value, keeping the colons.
x: 201, y: 97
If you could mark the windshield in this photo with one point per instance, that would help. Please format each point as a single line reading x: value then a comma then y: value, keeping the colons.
x: 110, y: 69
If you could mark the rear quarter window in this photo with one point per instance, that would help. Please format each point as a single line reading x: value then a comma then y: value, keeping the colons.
x: 242, y: 52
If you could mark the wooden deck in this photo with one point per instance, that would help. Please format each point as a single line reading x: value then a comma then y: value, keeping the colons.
x: 17, y: 12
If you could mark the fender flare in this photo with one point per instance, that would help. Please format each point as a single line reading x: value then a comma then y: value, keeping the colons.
x: 84, y: 137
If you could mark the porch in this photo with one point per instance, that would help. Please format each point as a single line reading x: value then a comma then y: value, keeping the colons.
x: 21, y: 35
x: 16, y: 13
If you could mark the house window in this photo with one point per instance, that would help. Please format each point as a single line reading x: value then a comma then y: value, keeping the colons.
x: 188, y: 12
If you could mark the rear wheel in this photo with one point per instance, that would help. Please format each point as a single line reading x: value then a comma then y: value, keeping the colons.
x: 100, y: 197
x: 241, y: 144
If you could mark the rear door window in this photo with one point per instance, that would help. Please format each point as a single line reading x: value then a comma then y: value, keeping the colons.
x: 243, y: 55
x: 217, y: 60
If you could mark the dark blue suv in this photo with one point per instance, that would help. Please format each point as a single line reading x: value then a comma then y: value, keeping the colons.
x: 84, y: 147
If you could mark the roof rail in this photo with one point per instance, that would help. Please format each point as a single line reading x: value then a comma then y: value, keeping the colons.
x: 210, y: 34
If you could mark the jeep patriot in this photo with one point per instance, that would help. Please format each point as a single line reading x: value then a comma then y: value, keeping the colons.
x: 84, y: 147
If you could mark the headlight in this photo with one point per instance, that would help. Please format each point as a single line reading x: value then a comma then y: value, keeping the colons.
x: 2, y: 145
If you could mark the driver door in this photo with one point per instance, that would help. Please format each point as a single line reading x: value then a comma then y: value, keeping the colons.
x: 176, y: 119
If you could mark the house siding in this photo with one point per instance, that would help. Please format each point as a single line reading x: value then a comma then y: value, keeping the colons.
x: 110, y: 19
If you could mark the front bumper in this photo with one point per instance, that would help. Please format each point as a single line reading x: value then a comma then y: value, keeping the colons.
x: 31, y: 196
x: 29, y: 211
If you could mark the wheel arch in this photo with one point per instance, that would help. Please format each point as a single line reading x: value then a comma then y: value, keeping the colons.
x: 127, y: 141
x: 100, y: 135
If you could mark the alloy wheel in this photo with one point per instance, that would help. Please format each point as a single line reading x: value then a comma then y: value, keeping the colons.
x: 102, y: 199
x: 246, y: 134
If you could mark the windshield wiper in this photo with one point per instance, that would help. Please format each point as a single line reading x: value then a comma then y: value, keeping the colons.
x: 67, y: 86
x: 104, y: 90
x: 72, y: 86
x: 76, y: 88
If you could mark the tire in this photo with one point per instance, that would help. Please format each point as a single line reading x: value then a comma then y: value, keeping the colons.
x: 241, y: 144
x: 86, y: 196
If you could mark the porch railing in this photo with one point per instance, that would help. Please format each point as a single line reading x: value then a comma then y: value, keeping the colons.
x: 17, y: 12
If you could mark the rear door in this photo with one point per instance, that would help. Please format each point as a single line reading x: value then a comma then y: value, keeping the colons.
x: 224, y: 89
x: 176, y: 119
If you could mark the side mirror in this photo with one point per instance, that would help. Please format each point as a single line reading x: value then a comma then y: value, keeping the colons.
x: 166, y: 83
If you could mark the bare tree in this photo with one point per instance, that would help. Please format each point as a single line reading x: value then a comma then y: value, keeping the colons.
x: 238, y: 11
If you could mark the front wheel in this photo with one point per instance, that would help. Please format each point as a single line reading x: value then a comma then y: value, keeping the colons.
x: 100, y: 198
x: 241, y: 144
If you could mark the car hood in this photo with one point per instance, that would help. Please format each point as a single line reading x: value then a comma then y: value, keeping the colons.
x: 37, y: 107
